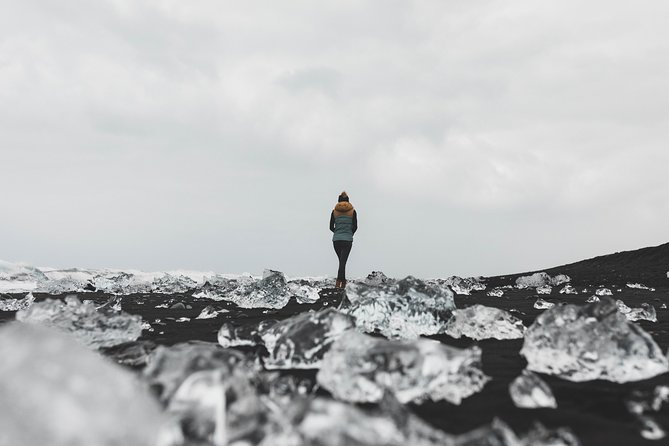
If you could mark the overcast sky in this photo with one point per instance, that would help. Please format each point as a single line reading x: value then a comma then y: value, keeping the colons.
x: 474, y: 137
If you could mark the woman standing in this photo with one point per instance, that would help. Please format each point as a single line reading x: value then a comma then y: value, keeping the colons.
x: 343, y: 223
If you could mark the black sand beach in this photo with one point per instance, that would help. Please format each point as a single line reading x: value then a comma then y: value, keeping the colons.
x: 594, y: 410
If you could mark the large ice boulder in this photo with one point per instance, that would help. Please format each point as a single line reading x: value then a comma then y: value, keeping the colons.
x: 540, y: 280
x: 594, y: 341
x: 360, y: 368
x: 94, y: 327
x: 57, y: 392
x: 301, y: 341
x: 481, y: 322
x: 404, y: 309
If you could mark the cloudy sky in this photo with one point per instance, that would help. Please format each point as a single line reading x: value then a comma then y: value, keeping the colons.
x: 474, y: 137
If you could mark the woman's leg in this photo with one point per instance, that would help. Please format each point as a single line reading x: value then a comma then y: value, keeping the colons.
x: 343, y: 249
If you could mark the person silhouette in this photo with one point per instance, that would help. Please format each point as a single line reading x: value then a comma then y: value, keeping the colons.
x: 343, y: 224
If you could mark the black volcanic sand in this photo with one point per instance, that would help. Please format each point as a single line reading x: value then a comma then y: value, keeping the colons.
x: 595, y: 410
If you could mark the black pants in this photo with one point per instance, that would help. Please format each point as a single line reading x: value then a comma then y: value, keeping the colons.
x: 343, y: 249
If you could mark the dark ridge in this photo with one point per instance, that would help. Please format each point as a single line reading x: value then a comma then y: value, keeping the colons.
x: 648, y: 266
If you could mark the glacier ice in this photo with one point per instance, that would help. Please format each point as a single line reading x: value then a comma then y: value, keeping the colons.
x: 325, y: 422
x: 63, y: 394
x: 19, y: 278
x: 95, y: 328
x: 496, y: 292
x: 210, y: 312
x: 539, y: 435
x: 133, y: 353
x: 646, y: 312
x: 463, y: 286
x: 640, y: 403
x: 603, y: 292
x: 405, y: 309
x: 639, y: 286
x: 173, y: 284
x: 168, y: 367
x: 594, y: 341
x: 360, y: 368
x: 541, y: 279
x: 544, y: 289
x: 231, y: 335
x: 17, y: 304
x: 529, y: 391
x: 376, y: 278
x: 541, y: 304
x: 300, y: 342
x: 568, y: 289
x: 481, y: 322
x: 592, y: 299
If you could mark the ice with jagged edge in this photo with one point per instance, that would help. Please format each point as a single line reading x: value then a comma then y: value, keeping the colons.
x: 300, y: 342
x: 462, y: 286
x: 94, y: 327
x: 496, y: 292
x: 645, y: 313
x: 568, y: 289
x: 360, y: 368
x: 404, y: 309
x: 541, y: 279
x: 12, y: 304
x: 57, y: 392
x: 544, y: 289
x: 273, y: 290
x: 593, y: 341
x: 529, y: 391
x: 603, y: 292
x: 326, y: 422
x: 639, y: 286
x: 481, y: 322
x: 19, y: 278
x: 542, y: 304
x: 231, y: 335
x: 209, y: 312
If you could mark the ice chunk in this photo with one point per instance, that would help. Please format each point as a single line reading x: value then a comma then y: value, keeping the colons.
x: 325, y: 422
x: 529, y: 391
x: 568, y: 289
x: 639, y: 286
x: 496, y: 292
x: 594, y: 341
x: 168, y: 367
x: 360, y: 368
x: 540, y: 436
x: 545, y: 289
x: 133, y: 354
x: 481, y: 322
x: 541, y: 304
x: 651, y: 429
x: 496, y: 433
x: 592, y: 299
x: 463, y: 286
x: 231, y: 335
x: 17, y: 304
x: 173, y: 284
x: 603, y: 292
x: 541, y: 279
x: 404, y: 309
x: 560, y: 279
x: 533, y: 281
x: 19, y: 278
x: 646, y: 312
x: 301, y: 341
x: 210, y: 312
x: 58, y: 393
x: 94, y: 328
x: 304, y: 292
x: 376, y: 278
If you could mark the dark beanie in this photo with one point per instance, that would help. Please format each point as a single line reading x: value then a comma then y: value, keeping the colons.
x: 343, y: 197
